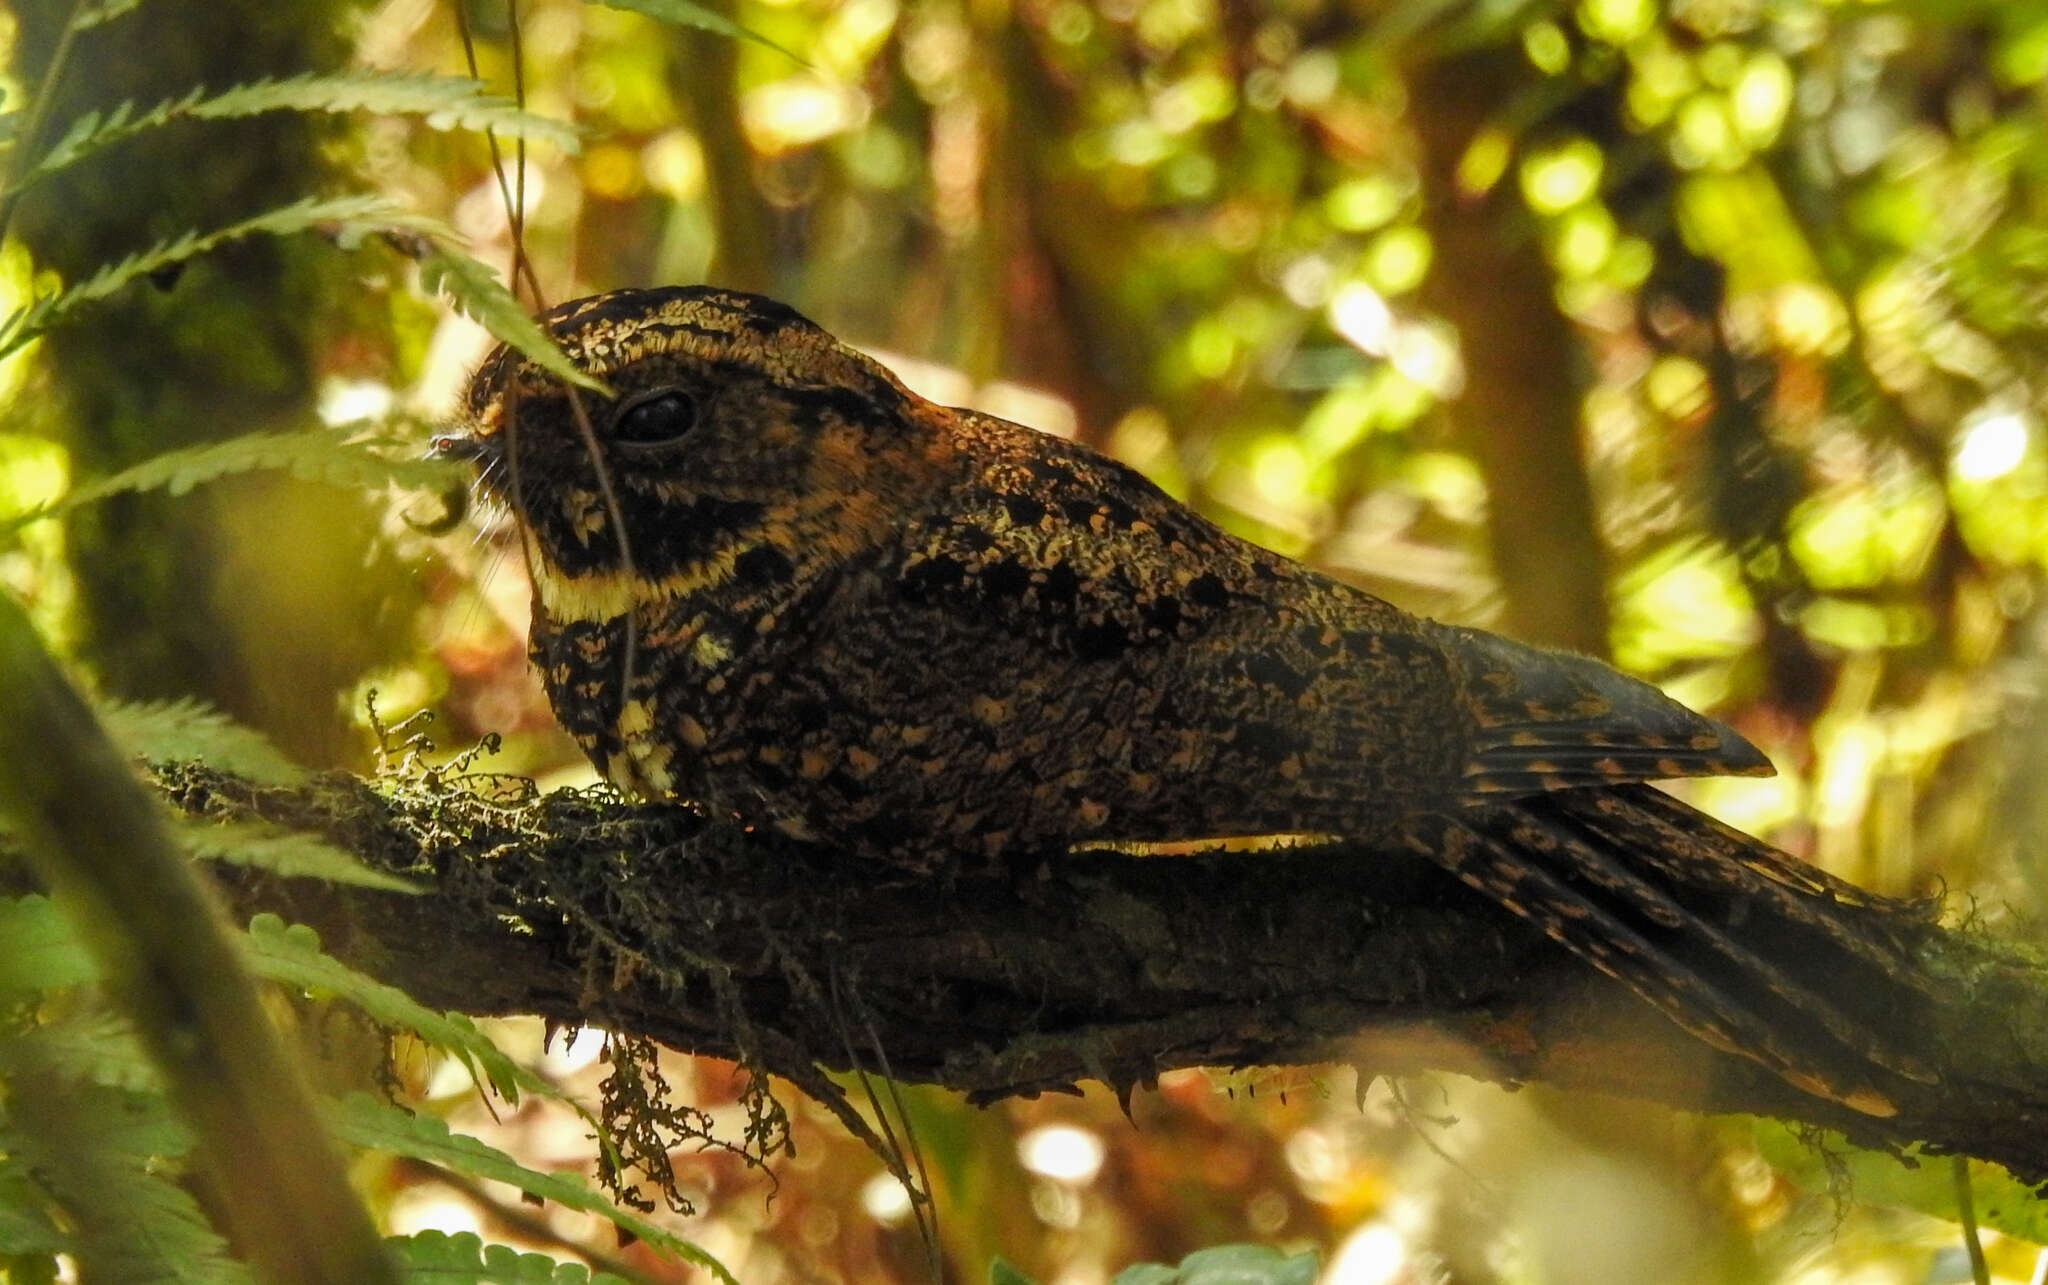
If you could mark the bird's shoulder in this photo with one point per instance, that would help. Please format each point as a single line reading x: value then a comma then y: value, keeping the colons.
x: 1040, y: 537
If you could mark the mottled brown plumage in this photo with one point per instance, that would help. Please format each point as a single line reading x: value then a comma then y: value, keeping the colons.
x: 771, y: 579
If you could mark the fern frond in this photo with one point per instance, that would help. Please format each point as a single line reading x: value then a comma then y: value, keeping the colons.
x: 363, y: 1121
x: 100, y: 1153
x: 443, y: 102
x: 688, y: 13
x: 464, y: 1259
x: 326, y: 455
x: 25, y: 1224
x: 477, y: 293
x: 189, y: 729
x: 348, y: 219
x: 93, y: 1046
x: 292, y: 854
x: 290, y: 955
x: 93, y: 15
x: 38, y: 950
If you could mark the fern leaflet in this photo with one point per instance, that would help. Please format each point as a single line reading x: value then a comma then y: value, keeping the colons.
x: 176, y: 730
x: 292, y: 854
x: 92, y: 1046
x: 466, y: 1260
x: 443, y: 102
x: 476, y: 291
x: 291, y: 956
x: 93, y: 15
x: 100, y: 1153
x: 25, y: 1225
x: 313, y: 455
x: 38, y: 950
x: 363, y: 1121
x: 688, y: 13
x: 348, y: 219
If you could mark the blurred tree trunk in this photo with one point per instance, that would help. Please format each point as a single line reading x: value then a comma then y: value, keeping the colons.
x: 744, y: 256
x: 1520, y: 408
x: 251, y: 594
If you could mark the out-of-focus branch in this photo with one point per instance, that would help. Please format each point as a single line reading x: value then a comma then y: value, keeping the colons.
x: 97, y: 841
x: 1017, y: 980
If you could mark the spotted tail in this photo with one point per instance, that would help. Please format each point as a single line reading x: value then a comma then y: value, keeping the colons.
x: 1751, y: 951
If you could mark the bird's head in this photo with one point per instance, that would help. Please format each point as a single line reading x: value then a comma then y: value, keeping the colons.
x: 732, y: 423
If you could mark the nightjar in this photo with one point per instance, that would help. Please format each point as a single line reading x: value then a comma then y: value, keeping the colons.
x: 772, y: 580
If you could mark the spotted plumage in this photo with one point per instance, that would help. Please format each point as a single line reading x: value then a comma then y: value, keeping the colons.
x: 771, y: 579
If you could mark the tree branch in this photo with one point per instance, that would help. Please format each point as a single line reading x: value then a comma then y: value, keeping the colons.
x: 647, y: 920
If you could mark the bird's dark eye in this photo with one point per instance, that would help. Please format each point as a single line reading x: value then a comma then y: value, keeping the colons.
x: 656, y: 418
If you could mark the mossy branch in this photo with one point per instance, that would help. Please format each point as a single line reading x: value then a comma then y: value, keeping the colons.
x: 648, y: 921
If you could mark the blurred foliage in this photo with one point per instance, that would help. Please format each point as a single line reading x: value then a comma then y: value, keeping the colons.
x: 1707, y: 334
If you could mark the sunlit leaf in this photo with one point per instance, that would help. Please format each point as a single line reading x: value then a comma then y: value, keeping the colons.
x: 1227, y: 1265
x: 475, y: 290
x: 688, y: 13
x: 179, y: 730
x: 291, y: 956
x: 347, y: 218
x: 1825, y: 1162
x: 366, y: 1122
x: 293, y: 854
x: 443, y: 102
x: 315, y: 455
x: 465, y: 1259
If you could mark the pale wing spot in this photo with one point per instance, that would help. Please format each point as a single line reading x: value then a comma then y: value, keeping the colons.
x: 989, y: 710
x: 710, y: 651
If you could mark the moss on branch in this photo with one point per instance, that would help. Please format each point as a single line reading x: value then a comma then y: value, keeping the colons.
x: 1020, y: 979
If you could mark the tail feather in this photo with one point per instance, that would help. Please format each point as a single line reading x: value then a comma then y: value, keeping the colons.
x: 1550, y: 720
x: 1690, y: 848
x: 1647, y: 895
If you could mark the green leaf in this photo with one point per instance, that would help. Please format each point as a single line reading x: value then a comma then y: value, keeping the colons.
x: 25, y: 1226
x: 172, y: 731
x: 100, y: 1154
x: 93, y: 15
x: 1001, y: 1271
x: 294, y: 854
x: 464, y: 1259
x: 38, y: 950
x: 314, y: 455
x: 444, y: 102
x: 687, y: 13
x: 291, y: 956
x: 1227, y: 1265
x: 348, y: 218
x: 1928, y: 1185
x: 476, y: 291
x: 95, y: 1046
x: 363, y: 1121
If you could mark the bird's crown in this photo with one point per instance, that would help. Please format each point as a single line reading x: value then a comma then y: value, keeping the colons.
x: 607, y: 334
